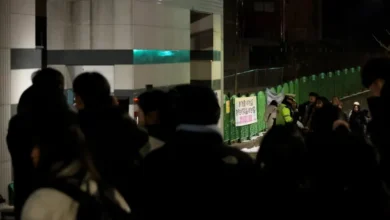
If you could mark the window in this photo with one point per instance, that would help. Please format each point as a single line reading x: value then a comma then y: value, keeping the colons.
x: 264, y: 6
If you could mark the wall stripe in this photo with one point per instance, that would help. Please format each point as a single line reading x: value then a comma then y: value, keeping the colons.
x: 206, y: 55
x: 89, y: 57
x: 136, y: 57
x: 26, y: 58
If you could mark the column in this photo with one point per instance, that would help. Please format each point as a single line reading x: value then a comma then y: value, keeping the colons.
x: 60, y: 33
x: 5, y: 92
x: 18, y: 59
x: 206, y: 53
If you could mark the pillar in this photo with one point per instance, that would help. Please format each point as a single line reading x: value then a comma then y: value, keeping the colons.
x: 206, y: 55
x: 18, y: 59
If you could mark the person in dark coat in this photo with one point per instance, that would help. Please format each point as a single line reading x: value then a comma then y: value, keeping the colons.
x: 114, y: 139
x: 196, y: 174
x: 153, y: 116
x: 45, y: 95
x: 305, y: 109
x: 282, y: 166
x: 357, y: 121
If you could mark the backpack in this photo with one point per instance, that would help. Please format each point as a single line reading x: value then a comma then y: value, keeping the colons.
x: 101, y: 206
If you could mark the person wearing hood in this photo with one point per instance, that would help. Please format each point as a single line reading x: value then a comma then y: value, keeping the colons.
x: 270, y: 114
x: 153, y: 108
x: 114, y: 139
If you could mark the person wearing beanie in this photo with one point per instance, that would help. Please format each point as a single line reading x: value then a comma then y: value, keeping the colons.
x: 153, y: 110
x: 114, y: 138
x: 196, y: 156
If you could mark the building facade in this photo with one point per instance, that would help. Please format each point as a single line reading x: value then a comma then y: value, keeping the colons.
x: 133, y: 43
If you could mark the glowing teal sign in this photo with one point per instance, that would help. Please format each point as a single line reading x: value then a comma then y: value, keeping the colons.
x: 160, y: 56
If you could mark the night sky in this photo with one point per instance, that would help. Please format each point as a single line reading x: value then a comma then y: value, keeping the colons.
x: 355, y: 19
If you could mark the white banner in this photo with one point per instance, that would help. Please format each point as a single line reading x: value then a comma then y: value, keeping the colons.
x: 274, y: 96
x: 246, y: 110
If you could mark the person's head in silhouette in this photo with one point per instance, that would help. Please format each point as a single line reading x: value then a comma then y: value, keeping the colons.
x: 195, y: 105
x: 48, y: 78
x: 92, y: 91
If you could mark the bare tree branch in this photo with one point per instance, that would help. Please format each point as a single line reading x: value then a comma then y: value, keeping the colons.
x: 381, y: 44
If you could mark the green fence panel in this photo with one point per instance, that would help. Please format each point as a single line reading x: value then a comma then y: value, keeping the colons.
x: 273, y: 90
x: 261, y: 106
x: 243, y: 131
x: 314, y: 87
x: 286, y: 88
x: 226, y: 119
x: 344, y: 82
x: 330, y: 85
x: 291, y: 87
x: 297, y: 91
x: 233, y: 129
x: 322, y: 83
x: 279, y: 89
x: 353, y: 87
x: 253, y: 128
x: 338, y: 86
x: 303, y: 89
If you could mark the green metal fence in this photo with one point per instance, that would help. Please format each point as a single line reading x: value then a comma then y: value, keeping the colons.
x: 338, y: 83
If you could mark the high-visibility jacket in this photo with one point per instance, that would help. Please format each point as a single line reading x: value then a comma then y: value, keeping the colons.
x: 283, y: 115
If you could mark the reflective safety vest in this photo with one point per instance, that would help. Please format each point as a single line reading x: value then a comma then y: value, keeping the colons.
x: 283, y: 115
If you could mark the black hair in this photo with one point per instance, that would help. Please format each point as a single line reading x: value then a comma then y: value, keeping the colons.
x: 283, y: 156
x: 93, y: 89
x: 378, y: 68
x: 324, y: 100
x: 48, y: 78
x: 274, y: 103
x: 153, y: 100
x: 37, y: 100
x: 196, y: 105
x: 313, y: 94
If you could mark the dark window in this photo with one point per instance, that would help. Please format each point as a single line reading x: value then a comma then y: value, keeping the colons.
x: 264, y: 6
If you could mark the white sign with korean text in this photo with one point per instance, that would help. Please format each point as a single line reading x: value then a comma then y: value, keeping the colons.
x: 246, y: 110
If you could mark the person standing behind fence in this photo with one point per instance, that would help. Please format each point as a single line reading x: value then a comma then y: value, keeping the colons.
x: 270, y: 114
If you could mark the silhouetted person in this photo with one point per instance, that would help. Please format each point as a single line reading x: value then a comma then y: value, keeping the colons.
x: 64, y: 172
x: 38, y: 97
x: 153, y: 116
x: 113, y: 137
x: 187, y: 176
x: 282, y: 166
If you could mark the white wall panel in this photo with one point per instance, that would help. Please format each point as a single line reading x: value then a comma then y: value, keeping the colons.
x: 124, y: 77
x: 122, y: 12
x: 102, y: 37
x: 22, y: 30
x: 25, y: 7
x: 102, y: 12
x: 20, y: 81
x: 123, y: 37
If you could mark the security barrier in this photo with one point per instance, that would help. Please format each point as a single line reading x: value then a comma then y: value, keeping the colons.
x: 340, y: 83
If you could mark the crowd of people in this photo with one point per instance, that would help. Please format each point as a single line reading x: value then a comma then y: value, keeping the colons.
x: 96, y: 162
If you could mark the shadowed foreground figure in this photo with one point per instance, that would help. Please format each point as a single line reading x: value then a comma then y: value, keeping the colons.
x: 40, y: 97
x: 197, y: 174
x: 112, y: 136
